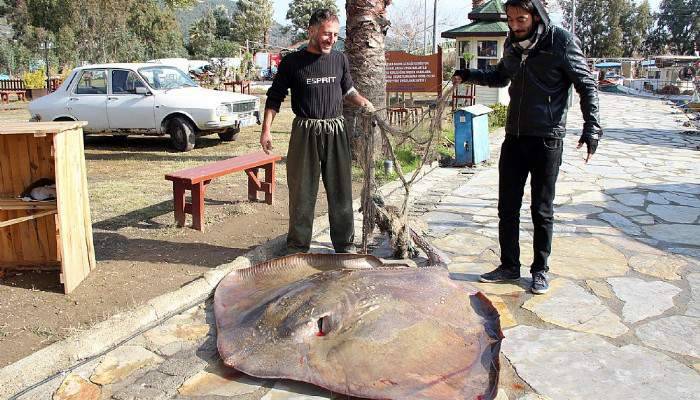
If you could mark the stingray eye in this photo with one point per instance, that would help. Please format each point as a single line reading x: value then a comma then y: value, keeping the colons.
x: 320, y: 327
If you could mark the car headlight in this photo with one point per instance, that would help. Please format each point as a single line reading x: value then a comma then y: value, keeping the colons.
x: 221, y: 110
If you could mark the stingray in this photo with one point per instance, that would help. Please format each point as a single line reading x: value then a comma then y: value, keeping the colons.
x: 355, y: 326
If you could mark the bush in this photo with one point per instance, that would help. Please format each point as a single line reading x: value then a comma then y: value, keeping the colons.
x: 498, y: 117
x: 447, y: 72
x: 34, y: 80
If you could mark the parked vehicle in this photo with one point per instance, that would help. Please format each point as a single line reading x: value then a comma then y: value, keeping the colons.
x: 148, y: 99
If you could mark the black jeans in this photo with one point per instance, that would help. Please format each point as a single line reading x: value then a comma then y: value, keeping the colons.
x: 541, y: 158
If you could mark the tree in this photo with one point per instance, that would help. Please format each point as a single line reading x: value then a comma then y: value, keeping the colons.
x: 364, y: 46
x: 156, y: 29
x: 300, y: 11
x: 590, y: 23
x: 202, y: 35
x: 609, y: 28
x: 407, y: 27
x: 65, y: 47
x: 639, y: 22
x: 222, y: 48
x: 611, y: 42
x: 252, y: 20
x: 223, y: 23
x: 677, y: 27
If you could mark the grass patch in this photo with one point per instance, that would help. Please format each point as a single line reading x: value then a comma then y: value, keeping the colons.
x: 445, y: 147
x: 46, y: 334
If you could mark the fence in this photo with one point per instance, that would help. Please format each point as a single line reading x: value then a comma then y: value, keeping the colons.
x: 12, y: 84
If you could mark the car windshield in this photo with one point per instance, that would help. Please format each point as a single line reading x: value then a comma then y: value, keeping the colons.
x: 163, y: 77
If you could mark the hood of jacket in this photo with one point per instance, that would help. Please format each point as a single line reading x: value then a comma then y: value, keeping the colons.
x: 544, y: 17
x: 542, y: 11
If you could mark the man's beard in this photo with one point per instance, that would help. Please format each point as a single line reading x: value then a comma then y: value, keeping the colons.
x: 527, y: 35
x: 316, y: 44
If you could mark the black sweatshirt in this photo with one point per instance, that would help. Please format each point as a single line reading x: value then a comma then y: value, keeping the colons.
x: 318, y: 83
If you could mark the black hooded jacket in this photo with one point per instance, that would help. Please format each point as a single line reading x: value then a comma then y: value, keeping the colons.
x: 539, y: 86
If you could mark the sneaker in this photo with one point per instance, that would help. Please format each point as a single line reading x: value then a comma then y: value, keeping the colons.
x: 500, y: 274
x: 539, y: 283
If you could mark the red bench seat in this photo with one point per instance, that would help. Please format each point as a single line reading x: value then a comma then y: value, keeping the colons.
x: 196, y: 179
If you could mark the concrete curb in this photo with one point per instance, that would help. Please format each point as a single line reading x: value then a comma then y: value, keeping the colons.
x: 62, y: 356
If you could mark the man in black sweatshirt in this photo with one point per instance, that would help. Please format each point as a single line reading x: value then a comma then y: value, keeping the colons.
x: 541, y: 62
x: 319, y: 79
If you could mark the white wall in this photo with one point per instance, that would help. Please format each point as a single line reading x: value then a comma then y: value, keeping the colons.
x: 484, y: 95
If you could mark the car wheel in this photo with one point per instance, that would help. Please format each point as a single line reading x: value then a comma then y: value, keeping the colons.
x: 229, y: 135
x: 182, y: 134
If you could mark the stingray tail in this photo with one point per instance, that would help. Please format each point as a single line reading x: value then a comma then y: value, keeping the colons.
x: 435, y: 256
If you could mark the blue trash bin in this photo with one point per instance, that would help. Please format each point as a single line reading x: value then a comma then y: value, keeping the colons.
x: 471, y: 135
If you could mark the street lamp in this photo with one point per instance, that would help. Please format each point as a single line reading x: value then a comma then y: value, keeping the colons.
x: 435, y: 26
x: 46, y: 45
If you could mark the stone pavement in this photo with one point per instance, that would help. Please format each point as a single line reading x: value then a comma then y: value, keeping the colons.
x: 621, y: 319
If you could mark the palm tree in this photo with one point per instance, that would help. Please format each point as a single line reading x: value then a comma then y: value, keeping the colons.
x: 364, y: 45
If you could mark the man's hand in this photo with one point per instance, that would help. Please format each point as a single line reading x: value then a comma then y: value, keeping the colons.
x: 591, y: 141
x: 368, y: 107
x: 266, y: 141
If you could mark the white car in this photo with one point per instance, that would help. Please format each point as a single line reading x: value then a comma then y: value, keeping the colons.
x: 149, y: 99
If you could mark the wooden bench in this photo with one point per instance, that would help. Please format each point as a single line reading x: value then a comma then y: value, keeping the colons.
x: 196, y: 180
x: 5, y: 95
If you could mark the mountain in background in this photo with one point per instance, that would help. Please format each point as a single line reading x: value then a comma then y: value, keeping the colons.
x: 278, y: 37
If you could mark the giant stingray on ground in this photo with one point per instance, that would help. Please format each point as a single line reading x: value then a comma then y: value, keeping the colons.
x: 358, y: 327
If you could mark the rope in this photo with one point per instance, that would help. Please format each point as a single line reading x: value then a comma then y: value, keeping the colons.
x: 370, y: 196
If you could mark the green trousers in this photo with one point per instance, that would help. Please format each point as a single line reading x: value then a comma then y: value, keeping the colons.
x: 319, y: 147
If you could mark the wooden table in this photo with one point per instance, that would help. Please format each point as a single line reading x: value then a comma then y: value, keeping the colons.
x: 244, y: 85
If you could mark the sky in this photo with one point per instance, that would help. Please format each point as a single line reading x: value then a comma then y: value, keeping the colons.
x: 452, y: 12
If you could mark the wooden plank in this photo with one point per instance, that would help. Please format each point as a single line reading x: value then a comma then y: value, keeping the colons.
x: 87, y: 220
x: 19, y: 204
x: 223, y: 167
x: 20, y: 265
x: 29, y: 217
x: 15, y: 238
x: 59, y: 248
x: 6, y: 250
x: 12, y: 249
x: 48, y: 163
x: 22, y: 173
x: 75, y: 232
x: 40, y: 171
x: 5, y: 169
x: 20, y: 128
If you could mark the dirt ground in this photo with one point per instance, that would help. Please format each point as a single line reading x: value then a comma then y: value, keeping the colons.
x: 140, y: 253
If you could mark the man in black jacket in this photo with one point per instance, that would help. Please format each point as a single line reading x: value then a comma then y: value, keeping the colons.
x: 541, y: 62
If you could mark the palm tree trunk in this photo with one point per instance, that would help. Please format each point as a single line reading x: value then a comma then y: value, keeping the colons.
x: 364, y: 45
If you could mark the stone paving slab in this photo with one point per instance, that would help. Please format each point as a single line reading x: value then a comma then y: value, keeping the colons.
x: 620, y: 321
x: 569, y: 365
